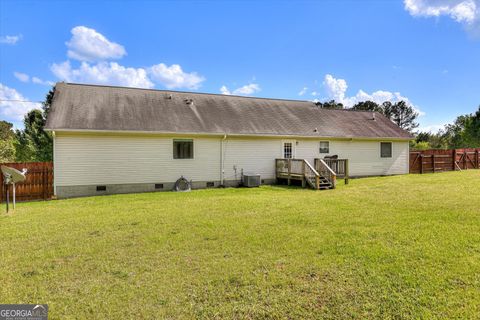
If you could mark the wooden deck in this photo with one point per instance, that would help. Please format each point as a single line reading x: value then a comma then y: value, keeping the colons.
x: 320, y: 176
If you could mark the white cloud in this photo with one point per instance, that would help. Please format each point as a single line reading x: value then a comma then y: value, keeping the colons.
x: 103, y: 73
x: 434, y: 128
x: 21, y: 76
x: 43, y: 82
x: 337, y: 88
x: 174, y: 77
x: 15, y: 109
x: 466, y: 12
x: 245, y: 90
x: 95, y: 52
x: 87, y: 44
x: 314, y: 93
x: 303, y: 91
x: 26, y: 78
x: 10, y: 39
x: 224, y: 90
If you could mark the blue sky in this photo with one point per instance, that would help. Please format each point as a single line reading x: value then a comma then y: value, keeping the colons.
x: 422, y: 50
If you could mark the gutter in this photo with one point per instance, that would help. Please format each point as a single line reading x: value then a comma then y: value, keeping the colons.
x: 246, y: 135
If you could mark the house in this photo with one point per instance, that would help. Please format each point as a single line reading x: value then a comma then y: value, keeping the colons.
x: 117, y: 140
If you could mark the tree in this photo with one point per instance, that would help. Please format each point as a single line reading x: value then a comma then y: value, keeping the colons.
x: 427, y: 140
x: 368, y: 106
x: 464, y: 132
x: 422, y: 145
x: 48, y: 102
x: 7, y: 137
x: 33, y: 143
x: 332, y: 104
x: 401, y: 114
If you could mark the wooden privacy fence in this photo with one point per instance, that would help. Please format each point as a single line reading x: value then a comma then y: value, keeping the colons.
x: 431, y: 161
x: 37, y: 186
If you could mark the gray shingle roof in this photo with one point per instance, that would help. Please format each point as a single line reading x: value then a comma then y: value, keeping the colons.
x: 93, y: 107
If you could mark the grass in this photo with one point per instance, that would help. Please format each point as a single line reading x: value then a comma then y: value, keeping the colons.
x: 387, y: 247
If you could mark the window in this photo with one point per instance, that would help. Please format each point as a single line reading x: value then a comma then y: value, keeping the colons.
x: 158, y: 185
x: 385, y: 149
x: 287, y: 150
x: 324, y: 147
x: 182, y: 149
x: 101, y: 188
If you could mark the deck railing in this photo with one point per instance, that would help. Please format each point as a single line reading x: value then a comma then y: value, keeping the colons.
x: 325, y: 171
x: 298, y: 169
x: 311, y: 175
x: 339, y: 166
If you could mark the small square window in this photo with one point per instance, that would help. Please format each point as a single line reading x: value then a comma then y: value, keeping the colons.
x: 210, y: 184
x: 385, y: 149
x: 101, y: 188
x: 158, y: 185
x: 182, y: 149
x: 324, y: 147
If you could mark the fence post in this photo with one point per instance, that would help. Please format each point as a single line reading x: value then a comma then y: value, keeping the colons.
x: 465, y: 163
x: 44, y: 176
x: 478, y: 159
x: 454, y: 159
x: 433, y: 163
x: 421, y: 164
x: 2, y: 188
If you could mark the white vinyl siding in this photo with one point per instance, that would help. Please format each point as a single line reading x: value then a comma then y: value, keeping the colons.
x: 256, y: 156
x: 364, y: 156
x: 95, y: 159
x: 365, y: 160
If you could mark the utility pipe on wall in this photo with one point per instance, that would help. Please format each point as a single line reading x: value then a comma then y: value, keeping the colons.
x: 222, y: 161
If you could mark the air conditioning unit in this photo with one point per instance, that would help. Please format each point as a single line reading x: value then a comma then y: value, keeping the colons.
x: 251, y: 180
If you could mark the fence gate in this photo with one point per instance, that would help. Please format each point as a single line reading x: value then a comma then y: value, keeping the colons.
x: 37, y: 186
x: 428, y: 161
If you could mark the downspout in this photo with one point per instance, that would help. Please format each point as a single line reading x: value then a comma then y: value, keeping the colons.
x: 54, y: 169
x: 222, y: 161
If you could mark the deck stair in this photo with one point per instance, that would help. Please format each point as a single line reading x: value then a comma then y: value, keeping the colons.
x: 301, y: 169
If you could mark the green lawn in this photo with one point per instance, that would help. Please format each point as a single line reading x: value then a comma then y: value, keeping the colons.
x: 387, y: 247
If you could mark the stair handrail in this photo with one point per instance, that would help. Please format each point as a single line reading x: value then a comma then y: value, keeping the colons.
x: 331, y: 176
x: 312, y: 174
x: 315, y: 172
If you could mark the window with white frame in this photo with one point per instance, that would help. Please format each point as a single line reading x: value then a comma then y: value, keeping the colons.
x: 385, y: 149
x: 324, y: 147
x: 183, y: 149
x: 287, y: 150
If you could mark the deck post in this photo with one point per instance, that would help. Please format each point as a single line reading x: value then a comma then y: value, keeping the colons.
x: 289, y: 164
x: 303, y: 174
x: 317, y: 182
x: 346, y: 172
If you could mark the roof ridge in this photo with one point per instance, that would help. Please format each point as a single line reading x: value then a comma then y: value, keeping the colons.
x: 213, y: 94
x: 179, y: 91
